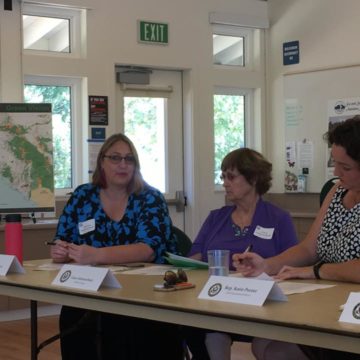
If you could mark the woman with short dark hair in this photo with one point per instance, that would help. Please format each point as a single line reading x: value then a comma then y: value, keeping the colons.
x: 248, y: 221
x: 331, y: 249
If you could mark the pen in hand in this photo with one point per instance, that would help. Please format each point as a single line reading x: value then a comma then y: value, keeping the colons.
x: 249, y: 248
x: 50, y: 242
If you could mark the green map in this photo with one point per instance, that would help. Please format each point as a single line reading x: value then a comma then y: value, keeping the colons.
x: 26, y: 163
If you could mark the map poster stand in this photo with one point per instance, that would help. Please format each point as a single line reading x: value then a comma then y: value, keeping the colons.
x: 26, y: 159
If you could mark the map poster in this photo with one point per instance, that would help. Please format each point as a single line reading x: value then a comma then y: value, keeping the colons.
x: 26, y: 161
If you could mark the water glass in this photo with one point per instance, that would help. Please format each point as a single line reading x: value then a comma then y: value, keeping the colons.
x: 218, y: 262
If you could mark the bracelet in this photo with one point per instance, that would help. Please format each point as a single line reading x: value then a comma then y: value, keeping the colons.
x: 316, y: 269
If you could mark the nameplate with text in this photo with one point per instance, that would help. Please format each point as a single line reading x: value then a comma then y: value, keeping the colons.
x: 85, y: 277
x: 248, y: 291
x: 351, y: 312
x: 10, y: 264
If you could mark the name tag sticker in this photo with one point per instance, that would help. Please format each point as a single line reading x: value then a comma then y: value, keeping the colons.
x: 86, y: 226
x: 351, y: 312
x: 248, y: 291
x: 264, y: 233
x: 10, y: 264
x: 85, y: 277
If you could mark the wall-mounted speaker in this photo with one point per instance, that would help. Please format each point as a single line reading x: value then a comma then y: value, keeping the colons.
x: 7, y: 4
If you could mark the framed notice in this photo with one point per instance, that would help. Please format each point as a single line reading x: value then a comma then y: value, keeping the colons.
x: 98, y: 110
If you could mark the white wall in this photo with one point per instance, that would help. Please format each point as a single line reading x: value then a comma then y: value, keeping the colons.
x: 112, y: 39
x: 328, y: 32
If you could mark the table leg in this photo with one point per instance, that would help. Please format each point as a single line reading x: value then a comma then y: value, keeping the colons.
x: 34, y: 332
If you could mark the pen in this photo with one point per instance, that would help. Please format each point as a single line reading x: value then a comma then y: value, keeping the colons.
x: 249, y: 248
x: 50, y: 242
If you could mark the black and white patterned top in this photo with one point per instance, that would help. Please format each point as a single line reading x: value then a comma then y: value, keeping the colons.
x: 339, y: 238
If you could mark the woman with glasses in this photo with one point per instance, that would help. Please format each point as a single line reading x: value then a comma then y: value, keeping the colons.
x: 249, y: 222
x: 117, y: 218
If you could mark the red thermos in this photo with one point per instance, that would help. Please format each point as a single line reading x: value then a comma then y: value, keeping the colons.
x: 13, y: 236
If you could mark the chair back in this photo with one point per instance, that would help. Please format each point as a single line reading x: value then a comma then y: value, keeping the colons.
x: 326, y: 188
x: 183, y: 241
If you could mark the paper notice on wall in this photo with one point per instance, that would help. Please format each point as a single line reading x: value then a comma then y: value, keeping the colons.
x: 291, y: 153
x: 338, y: 111
x: 94, y: 148
x: 305, y: 153
x: 293, y: 112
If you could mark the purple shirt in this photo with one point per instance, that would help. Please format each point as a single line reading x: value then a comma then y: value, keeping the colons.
x: 270, y: 233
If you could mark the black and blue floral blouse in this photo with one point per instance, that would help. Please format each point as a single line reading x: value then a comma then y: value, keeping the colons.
x: 146, y: 220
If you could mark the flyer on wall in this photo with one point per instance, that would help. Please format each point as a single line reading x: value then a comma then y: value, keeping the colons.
x: 98, y: 110
x: 338, y: 111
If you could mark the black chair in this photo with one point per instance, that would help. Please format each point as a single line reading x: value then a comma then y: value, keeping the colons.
x: 183, y: 241
x: 183, y: 247
x: 326, y: 188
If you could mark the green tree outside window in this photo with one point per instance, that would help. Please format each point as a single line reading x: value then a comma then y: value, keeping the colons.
x: 59, y: 97
x: 229, y: 128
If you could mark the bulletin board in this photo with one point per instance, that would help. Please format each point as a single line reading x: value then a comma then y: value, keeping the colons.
x: 313, y: 102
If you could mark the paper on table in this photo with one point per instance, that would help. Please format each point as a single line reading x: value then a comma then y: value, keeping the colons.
x: 151, y: 270
x: 289, y: 288
x: 49, y: 266
x: 115, y: 268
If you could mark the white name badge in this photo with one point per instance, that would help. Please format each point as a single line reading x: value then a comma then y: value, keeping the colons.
x: 10, y: 264
x: 264, y: 233
x: 351, y: 312
x: 86, y: 226
x: 85, y: 277
x: 249, y: 291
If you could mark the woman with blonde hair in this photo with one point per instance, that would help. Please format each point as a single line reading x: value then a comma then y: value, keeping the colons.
x: 118, y: 218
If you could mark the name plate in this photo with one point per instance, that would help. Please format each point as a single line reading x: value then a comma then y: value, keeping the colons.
x: 10, y: 264
x: 248, y: 291
x: 351, y: 312
x: 85, y: 277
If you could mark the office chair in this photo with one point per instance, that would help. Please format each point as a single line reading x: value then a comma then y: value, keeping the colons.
x: 326, y: 188
x: 183, y: 247
x: 183, y: 241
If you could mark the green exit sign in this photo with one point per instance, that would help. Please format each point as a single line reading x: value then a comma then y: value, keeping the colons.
x: 153, y: 33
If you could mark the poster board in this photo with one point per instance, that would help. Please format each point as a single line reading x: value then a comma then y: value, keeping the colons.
x: 312, y: 101
x: 26, y: 158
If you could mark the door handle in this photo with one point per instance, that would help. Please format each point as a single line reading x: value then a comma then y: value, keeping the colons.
x: 180, y: 201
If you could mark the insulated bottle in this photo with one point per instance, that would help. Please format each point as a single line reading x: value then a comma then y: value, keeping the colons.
x: 13, y: 236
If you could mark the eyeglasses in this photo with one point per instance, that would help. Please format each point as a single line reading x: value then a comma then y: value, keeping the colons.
x: 171, y: 278
x: 117, y: 159
x: 229, y: 176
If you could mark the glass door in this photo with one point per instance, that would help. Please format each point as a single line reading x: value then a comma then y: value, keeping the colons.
x: 152, y: 119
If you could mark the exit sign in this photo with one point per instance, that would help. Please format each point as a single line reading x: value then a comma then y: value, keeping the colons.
x: 153, y: 33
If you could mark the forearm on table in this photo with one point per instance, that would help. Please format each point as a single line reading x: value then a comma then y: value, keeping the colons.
x: 298, y: 255
x: 125, y: 254
x: 345, y: 271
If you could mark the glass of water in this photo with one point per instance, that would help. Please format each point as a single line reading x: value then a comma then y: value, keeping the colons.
x: 218, y: 262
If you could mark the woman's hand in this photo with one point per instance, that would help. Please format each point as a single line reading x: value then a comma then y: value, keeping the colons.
x: 83, y: 254
x: 59, y: 252
x: 249, y: 264
x: 290, y: 272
